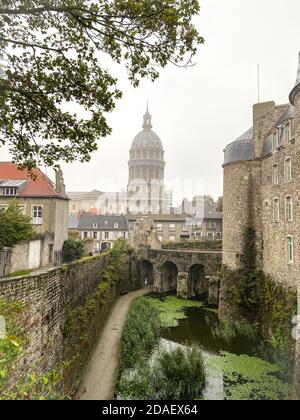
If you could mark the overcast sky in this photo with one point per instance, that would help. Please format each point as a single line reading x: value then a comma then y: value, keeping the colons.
x: 196, y: 112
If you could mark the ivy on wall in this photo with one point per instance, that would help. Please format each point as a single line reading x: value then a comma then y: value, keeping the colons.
x: 249, y: 296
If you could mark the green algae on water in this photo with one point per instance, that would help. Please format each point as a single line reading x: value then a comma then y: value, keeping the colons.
x: 248, y: 378
x: 172, y: 309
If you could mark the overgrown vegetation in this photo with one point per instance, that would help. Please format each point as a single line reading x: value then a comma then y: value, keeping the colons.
x: 28, y: 385
x: 14, y: 226
x: 72, y: 250
x: 84, y: 323
x: 253, y: 298
x: 141, y: 333
x: 194, y: 244
x: 149, y: 372
x: 172, y: 375
x: 229, y: 331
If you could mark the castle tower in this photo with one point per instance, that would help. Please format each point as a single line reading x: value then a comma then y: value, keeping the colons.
x: 146, y: 170
x: 295, y: 100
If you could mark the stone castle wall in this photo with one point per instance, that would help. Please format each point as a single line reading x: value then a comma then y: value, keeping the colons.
x: 47, y: 298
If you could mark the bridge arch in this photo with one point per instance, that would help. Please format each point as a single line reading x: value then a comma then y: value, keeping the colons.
x: 169, y: 275
x: 197, y: 283
x: 147, y: 272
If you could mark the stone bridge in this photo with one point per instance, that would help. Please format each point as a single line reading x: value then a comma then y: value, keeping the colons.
x: 189, y: 273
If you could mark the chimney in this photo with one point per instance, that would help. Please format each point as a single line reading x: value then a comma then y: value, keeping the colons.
x: 59, y: 184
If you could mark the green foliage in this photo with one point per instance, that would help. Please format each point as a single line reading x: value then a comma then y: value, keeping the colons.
x: 81, y: 329
x: 172, y: 309
x: 193, y: 244
x: 249, y: 378
x: 20, y: 273
x: 182, y: 374
x: 175, y: 375
x: 229, y: 331
x: 36, y: 387
x: 11, y: 346
x: 28, y: 386
x: 141, y: 332
x: 14, y: 226
x: 72, y: 250
x: 248, y: 258
x: 53, y: 54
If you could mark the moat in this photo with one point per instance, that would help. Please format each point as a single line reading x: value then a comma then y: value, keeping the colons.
x: 237, y: 362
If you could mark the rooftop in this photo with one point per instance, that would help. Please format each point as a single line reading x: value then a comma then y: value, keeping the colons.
x: 37, y: 186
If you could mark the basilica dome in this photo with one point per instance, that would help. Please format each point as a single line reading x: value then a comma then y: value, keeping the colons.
x: 147, y: 139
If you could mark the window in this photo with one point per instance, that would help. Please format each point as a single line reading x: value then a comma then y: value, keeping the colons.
x: 116, y: 226
x: 106, y: 235
x: 288, y: 169
x: 275, y: 174
x: 290, y: 249
x: 159, y: 227
x: 185, y: 228
x: 219, y: 235
x: 85, y: 235
x: 9, y: 191
x: 172, y: 238
x: 210, y: 235
x: 3, y: 207
x: 276, y: 210
x: 37, y: 215
x: 275, y: 140
x: 95, y: 226
x: 172, y: 227
x: 289, y: 208
x: 288, y: 132
x: 95, y: 235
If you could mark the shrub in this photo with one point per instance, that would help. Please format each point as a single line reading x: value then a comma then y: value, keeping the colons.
x: 175, y: 375
x: 72, y: 250
x: 182, y: 373
x: 14, y: 226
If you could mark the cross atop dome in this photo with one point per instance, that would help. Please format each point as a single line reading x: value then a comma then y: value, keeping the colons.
x: 147, y: 119
x: 296, y: 89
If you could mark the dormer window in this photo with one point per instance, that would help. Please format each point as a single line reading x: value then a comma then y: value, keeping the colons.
x: 9, y: 191
x: 116, y: 225
x: 95, y: 226
x: 275, y: 140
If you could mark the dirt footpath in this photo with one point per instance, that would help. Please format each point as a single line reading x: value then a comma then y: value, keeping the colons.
x: 99, y: 379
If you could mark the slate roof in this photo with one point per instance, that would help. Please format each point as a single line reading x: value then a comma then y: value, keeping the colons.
x: 241, y: 149
x: 86, y: 222
x: 297, y: 85
x: 73, y: 221
x: 41, y: 186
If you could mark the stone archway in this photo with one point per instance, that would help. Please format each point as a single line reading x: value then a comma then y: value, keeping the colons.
x: 169, y: 275
x: 147, y: 273
x: 197, y: 282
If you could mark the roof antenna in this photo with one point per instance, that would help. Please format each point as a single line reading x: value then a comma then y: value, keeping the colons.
x: 258, y: 83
